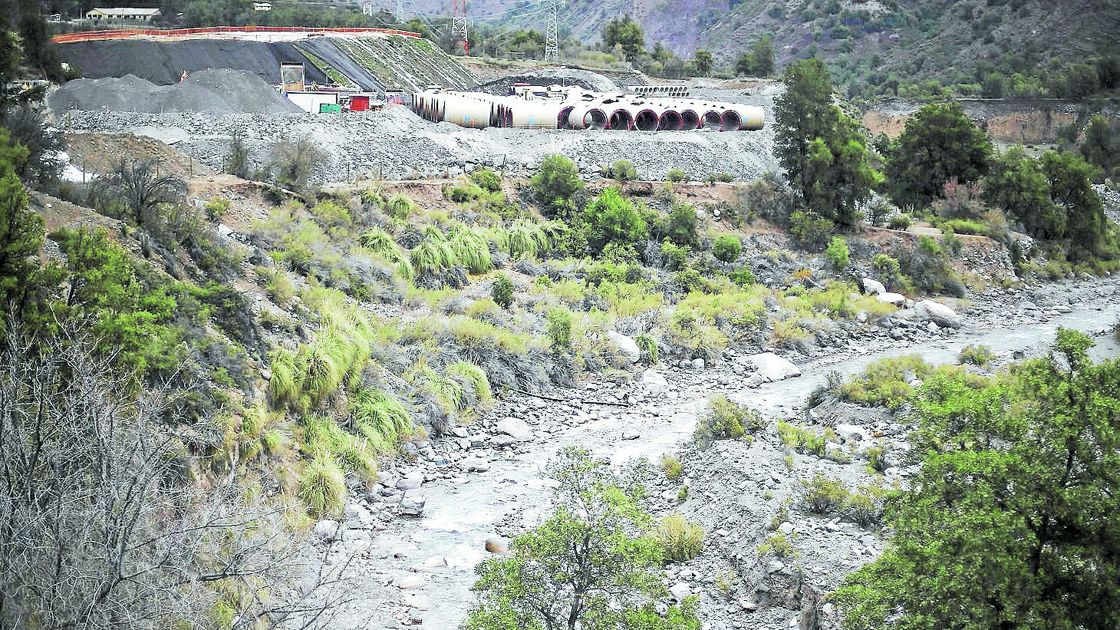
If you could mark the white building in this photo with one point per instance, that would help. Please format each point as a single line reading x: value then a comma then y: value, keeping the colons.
x: 262, y: 6
x: 122, y: 14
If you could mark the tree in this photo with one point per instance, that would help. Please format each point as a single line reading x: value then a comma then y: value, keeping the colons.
x: 1017, y: 185
x: 628, y: 34
x: 36, y: 41
x: 803, y: 113
x: 296, y: 164
x: 237, y: 163
x: 702, y: 61
x: 43, y: 166
x: 555, y: 182
x: 1071, y: 191
x: 21, y: 231
x: 588, y: 566
x: 139, y: 188
x: 612, y: 218
x: 763, y: 53
x: 938, y: 144
x: 1102, y: 144
x: 1011, y: 520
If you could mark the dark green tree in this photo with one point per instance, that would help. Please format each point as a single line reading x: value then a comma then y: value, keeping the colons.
x: 1011, y: 521
x: 555, y: 183
x: 612, y: 218
x: 628, y: 34
x: 1071, y: 191
x: 21, y: 230
x: 590, y: 565
x: 1017, y: 185
x: 702, y: 61
x: 763, y: 53
x: 938, y: 144
x: 803, y: 113
x: 1102, y: 144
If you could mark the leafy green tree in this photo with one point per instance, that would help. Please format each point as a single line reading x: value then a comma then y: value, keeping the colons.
x: 680, y: 225
x: 702, y: 61
x: 1102, y: 144
x: 21, y: 230
x: 763, y: 53
x: 590, y: 565
x: 555, y: 183
x: 612, y: 218
x: 1017, y: 185
x: 938, y: 144
x: 1011, y: 521
x: 628, y: 34
x: 1071, y: 191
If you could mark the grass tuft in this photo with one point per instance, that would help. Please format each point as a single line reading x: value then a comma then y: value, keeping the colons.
x: 322, y: 487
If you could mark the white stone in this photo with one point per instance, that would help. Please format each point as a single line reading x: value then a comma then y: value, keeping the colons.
x: 476, y: 464
x: 680, y: 590
x: 416, y: 600
x: 698, y: 364
x: 411, y: 481
x: 327, y: 530
x: 626, y: 345
x: 412, y: 580
x: 850, y: 432
x: 654, y: 382
x: 786, y: 528
x: 891, y: 298
x: 516, y: 428
x: 772, y: 367
x: 938, y: 313
x: 874, y: 286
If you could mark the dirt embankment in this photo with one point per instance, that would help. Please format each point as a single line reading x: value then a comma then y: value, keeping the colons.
x: 1010, y: 121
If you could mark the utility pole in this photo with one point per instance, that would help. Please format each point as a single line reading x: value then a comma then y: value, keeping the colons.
x: 552, y: 34
x: 400, y: 12
x: 459, y: 24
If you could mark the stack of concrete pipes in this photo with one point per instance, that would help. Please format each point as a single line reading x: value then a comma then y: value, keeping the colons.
x: 579, y: 109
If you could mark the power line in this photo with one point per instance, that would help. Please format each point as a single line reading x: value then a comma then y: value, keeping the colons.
x: 552, y: 34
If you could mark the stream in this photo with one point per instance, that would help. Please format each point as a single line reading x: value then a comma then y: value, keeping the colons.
x: 446, y: 543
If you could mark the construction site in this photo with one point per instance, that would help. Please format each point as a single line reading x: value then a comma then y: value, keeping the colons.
x: 389, y: 104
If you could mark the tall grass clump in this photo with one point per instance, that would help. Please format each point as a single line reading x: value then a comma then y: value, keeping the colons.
x: 324, y: 438
x: 471, y: 251
x: 399, y: 206
x: 446, y: 392
x: 524, y: 240
x: 381, y: 243
x: 681, y: 540
x: 472, y: 375
x: 322, y: 487
x: 381, y: 419
x: 433, y: 256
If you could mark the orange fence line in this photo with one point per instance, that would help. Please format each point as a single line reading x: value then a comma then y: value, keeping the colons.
x: 127, y: 33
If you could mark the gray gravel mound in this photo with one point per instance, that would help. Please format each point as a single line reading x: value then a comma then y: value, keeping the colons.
x: 548, y: 76
x: 214, y: 91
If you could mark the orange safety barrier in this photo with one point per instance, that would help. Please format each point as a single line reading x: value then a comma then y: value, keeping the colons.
x: 88, y: 36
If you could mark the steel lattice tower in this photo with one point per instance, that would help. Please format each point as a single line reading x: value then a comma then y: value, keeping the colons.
x: 399, y: 15
x: 552, y: 33
x: 459, y: 23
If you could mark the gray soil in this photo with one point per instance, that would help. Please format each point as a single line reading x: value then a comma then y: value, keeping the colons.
x: 208, y: 91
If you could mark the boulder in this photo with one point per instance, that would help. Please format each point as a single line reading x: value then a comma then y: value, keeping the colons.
x: 679, y: 591
x: 873, y: 287
x: 625, y: 345
x: 891, y: 298
x: 938, y: 313
x: 411, y: 481
x: 476, y: 464
x: 497, y: 544
x: 851, y: 432
x: 654, y: 382
x: 412, y: 506
x: 327, y: 530
x: 412, y: 580
x: 516, y: 428
x: 772, y: 367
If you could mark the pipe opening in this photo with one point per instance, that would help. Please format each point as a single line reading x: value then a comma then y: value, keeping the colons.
x: 621, y: 119
x: 731, y: 121
x: 712, y: 120
x: 670, y: 121
x: 689, y: 119
x: 562, y: 118
x: 646, y: 120
x: 594, y: 119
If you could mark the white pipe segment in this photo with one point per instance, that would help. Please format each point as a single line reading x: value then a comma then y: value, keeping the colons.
x: 751, y: 117
x: 587, y: 116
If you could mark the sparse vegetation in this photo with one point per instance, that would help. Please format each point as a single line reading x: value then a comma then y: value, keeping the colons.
x: 681, y: 540
x: 725, y: 420
x: 979, y: 355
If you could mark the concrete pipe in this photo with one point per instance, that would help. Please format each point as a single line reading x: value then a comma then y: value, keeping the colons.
x: 689, y: 118
x: 587, y: 116
x: 621, y: 119
x: 669, y: 119
x: 466, y: 111
x: 645, y: 118
x: 711, y: 119
x: 535, y: 115
x: 730, y: 120
x: 750, y: 117
x: 562, y: 121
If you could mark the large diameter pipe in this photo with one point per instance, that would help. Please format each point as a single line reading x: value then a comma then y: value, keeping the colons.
x: 587, y: 116
x: 537, y: 115
x: 620, y: 119
x: 646, y: 118
x: 750, y: 117
x: 467, y: 112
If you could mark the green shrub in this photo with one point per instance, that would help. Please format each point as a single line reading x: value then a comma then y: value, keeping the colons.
x: 864, y: 506
x: 725, y: 178
x: 681, y: 540
x: 331, y: 214
x: 727, y: 248
x: 560, y: 329
x: 381, y: 419
x: 621, y: 170
x: 525, y: 240
x: 876, y: 458
x: 648, y: 346
x: 471, y: 250
x: 979, y: 355
x: 674, y: 257
x: 964, y: 226
x: 472, y: 375
x: 672, y: 467
x: 216, y: 208
x: 400, y: 207
x: 680, y: 225
x: 777, y: 544
x: 804, y: 440
x: 810, y: 230
x: 502, y: 291
x: 433, y: 256
x: 742, y: 276
x: 837, y: 253
x: 930, y: 270
x: 725, y: 420
x: 556, y: 182
x: 824, y: 495
x: 676, y: 175
x: 611, y: 218
x: 487, y: 180
x: 322, y: 487
x: 899, y: 222
x: 881, y: 382
x: 890, y: 272
x: 381, y: 243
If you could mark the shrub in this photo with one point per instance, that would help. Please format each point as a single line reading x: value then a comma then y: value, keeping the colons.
x: 502, y: 291
x: 876, y: 458
x: 381, y: 243
x: 723, y: 178
x: 331, y: 215
x: 725, y: 420
x: 471, y: 250
x: 824, y: 495
x: 296, y: 164
x: 679, y: 225
x: 399, y: 207
x: 322, y: 487
x: 681, y: 540
x: 882, y: 382
x: 472, y: 375
x: 621, y: 170
x: 964, y: 226
x: 837, y: 253
x: 899, y: 222
x: 463, y: 194
x: 381, y: 419
x: 979, y: 355
x: 487, y: 180
x: 433, y: 256
x: 611, y: 218
x: 742, y: 276
x: 560, y: 329
x: 726, y: 248
x: 804, y: 440
x: 864, y: 506
x: 889, y: 271
x: 216, y: 208
x: 777, y: 544
x: 674, y: 257
x: 809, y: 230
x: 648, y: 346
x: 525, y: 240
x: 676, y: 175
x: 928, y: 267
x: 672, y: 467
x: 555, y: 183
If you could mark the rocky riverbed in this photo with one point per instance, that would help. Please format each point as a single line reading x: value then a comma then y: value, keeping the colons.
x: 417, y: 535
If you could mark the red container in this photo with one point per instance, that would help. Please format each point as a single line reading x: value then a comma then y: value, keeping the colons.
x: 359, y: 103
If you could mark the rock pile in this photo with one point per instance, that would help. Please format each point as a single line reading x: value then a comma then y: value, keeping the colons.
x: 213, y: 91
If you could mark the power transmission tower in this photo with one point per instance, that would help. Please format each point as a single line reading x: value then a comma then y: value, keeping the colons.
x: 552, y: 33
x: 399, y: 14
x: 459, y: 24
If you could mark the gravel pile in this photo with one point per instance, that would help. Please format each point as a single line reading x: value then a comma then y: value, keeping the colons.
x: 214, y: 91
x: 396, y: 144
x: 548, y: 76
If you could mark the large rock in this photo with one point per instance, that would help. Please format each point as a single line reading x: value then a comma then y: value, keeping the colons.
x: 410, y: 581
x: 476, y: 464
x: 938, y: 313
x: 654, y: 382
x: 679, y: 591
x: 873, y: 287
x: 412, y: 505
x: 327, y: 530
x: 411, y: 481
x: 772, y: 367
x: 516, y: 428
x: 625, y: 345
x: 891, y: 298
x: 497, y: 544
